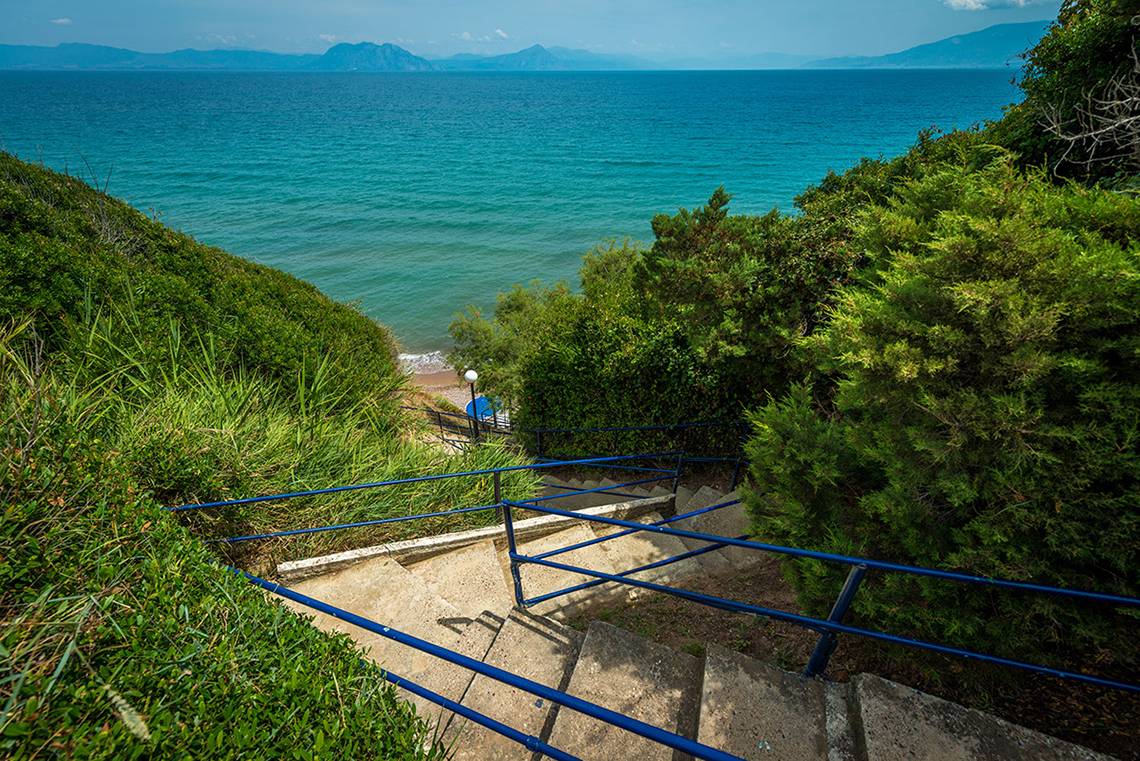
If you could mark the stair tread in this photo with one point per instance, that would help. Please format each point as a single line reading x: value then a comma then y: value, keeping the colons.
x: 530, y: 646
x: 469, y: 578
x: 731, y: 521
x: 757, y: 711
x: 641, y: 679
x: 684, y: 494
x: 902, y: 723
x: 384, y: 591
x: 538, y: 580
x: 644, y: 548
x: 452, y: 680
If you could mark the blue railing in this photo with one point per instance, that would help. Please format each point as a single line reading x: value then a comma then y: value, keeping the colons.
x: 544, y: 442
x: 656, y: 734
x: 828, y: 628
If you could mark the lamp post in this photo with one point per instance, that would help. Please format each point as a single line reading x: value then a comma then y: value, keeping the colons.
x: 471, y: 376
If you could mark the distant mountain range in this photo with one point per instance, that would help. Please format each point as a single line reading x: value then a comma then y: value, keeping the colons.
x: 994, y: 47
x: 539, y: 58
x: 990, y: 48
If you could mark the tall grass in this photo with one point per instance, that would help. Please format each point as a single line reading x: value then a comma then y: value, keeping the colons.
x: 119, y: 638
x: 190, y: 428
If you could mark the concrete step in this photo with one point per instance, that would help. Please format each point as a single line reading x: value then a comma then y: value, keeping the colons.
x: 449, y: 679
x: 530, y: 646
x: 756, y: 711
x: 729, y: 521
x: 572, y: 499
x: 638, y: 678
x: 900, y: 723
x: 643, y: 548
x: 591, y: 499
x: 684, y: 494
x: 553, y: 483
x: 384, y: 591
x: 538, y: 580
x: 469, y: 578
x: 610, y: 483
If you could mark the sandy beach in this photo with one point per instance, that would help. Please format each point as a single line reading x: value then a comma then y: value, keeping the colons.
x: 445, y: 383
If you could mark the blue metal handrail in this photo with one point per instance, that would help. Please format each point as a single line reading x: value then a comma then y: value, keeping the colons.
x: 679, y: 426
x: 844, y: 559
x: 593, y: 710
x: 358, y: 524
x: 421, y: 479
x: 830, y: 627
x: 608, y: 490
x: 628, y: 531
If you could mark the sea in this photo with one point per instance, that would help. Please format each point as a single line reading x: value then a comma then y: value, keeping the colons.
x: 417, y: 195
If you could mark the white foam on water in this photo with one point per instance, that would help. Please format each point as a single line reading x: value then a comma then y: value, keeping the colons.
x: 431, y: 362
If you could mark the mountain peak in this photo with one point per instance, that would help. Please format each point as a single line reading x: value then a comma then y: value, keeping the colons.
x: 369, y: 56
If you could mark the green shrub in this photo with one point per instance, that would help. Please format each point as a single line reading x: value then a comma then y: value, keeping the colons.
x: 980, y: 412
x: 1082, y: 94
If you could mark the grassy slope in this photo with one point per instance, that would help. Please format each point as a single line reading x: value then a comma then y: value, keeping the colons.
x: 140, y: 368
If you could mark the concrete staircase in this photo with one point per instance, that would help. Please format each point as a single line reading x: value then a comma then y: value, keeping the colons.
x: 456, y: 591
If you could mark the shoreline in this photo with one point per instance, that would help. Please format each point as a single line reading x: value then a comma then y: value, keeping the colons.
x: 425, y: 363
x: 431, y: 374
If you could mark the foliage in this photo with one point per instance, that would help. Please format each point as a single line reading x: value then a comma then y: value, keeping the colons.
x: 526, y: 321
x: 121, y: 638
x: 66, y: 249
x: 699, y: 326
x: 145, y: 369
x: 1081, y: 112
x: 982, y: 413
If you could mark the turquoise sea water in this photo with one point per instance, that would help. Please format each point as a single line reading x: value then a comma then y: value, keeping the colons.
x: 416, y: 194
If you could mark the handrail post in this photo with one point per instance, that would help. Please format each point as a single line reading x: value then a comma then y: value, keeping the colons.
x: 736, y: 474
x: 538, y: 444
x: 827, y: 643
x: 677, y: 472
x: 498, y: 497
x: 509, y: 525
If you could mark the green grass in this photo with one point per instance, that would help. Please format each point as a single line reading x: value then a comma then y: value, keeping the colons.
x: 122, y: 636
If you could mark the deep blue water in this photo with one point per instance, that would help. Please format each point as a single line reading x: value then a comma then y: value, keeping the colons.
x: 416, y: 194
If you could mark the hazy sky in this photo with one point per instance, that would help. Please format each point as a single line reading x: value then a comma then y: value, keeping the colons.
x: 656, y: 29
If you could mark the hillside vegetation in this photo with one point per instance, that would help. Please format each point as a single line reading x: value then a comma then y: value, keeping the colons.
x: 139, y: 368
x: 938, y: 355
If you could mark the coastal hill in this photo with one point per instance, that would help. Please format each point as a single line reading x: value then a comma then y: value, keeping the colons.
x: 540, y: 58
x: 368, y: 56
x: 994, y: 47
x: 990, y: 48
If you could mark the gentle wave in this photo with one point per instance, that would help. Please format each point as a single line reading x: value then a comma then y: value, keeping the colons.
x: 422, y: 364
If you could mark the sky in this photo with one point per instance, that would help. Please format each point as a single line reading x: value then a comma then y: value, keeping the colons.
x: 659, y: 30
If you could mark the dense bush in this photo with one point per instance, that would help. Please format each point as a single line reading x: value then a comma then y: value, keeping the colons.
x: 981, y: 413
x: 697, y: 327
